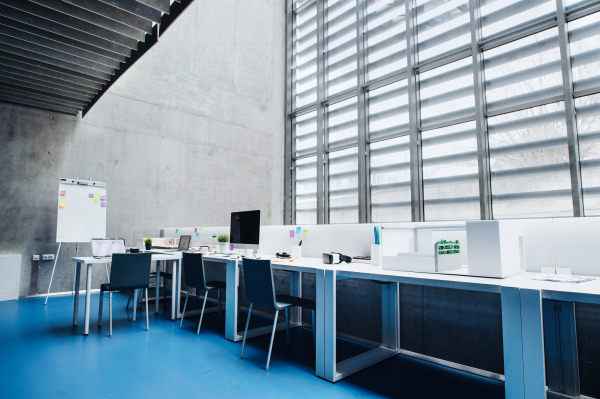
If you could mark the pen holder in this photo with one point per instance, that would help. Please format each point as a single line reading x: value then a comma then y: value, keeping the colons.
x: 296, y: 252
x: 376, y: 253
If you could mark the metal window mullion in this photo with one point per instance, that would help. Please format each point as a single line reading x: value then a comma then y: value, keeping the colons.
x: 289, y: 180
x: 572, y: 139
x: 416, y: 158
x: 321, y: 48
x: 481, y: 128
x: 363, y: 172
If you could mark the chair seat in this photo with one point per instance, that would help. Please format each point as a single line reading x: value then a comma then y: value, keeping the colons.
x: 213, y: 285
x: 288, y: 301
x: 105, y: 287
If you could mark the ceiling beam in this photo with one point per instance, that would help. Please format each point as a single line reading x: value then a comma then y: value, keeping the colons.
x: 32, y: 104
x: 136, y: 8
x: 113, y: 13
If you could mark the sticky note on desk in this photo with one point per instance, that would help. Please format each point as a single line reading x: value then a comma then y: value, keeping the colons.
x: 305, y: 232
x: 63, y: 199
x: 291, y: 233
x: 62, y: 205
x: 63, y: 193
x: 91, y: 195
x: 95, y: 200
x: 103, y: 205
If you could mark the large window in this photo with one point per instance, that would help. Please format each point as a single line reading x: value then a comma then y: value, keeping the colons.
x: 390, y: 112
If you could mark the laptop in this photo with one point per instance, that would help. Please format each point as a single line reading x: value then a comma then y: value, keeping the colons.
x: 103, y: 248
x: 184, y: 245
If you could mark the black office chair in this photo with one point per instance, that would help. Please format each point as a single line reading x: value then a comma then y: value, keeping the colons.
x: 128, y: 272
x: 165, y: 276
x: 195, y: 277
x: 260, y: 290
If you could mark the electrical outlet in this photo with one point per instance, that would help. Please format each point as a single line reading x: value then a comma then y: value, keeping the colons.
x: 36, y: 257
x: 48, y: 257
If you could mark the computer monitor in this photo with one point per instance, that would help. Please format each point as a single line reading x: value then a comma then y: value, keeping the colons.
x: 244, y: 230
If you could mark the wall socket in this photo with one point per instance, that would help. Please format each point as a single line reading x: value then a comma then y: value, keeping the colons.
x: 36, y: 257
x: 48, y: 257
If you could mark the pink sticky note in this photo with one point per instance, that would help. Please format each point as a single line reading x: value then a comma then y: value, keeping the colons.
x: 103, y: 198
x: 63, y: 193
x: 231, y: 247
x: 103, y: 204
x: 196, y: 230
x: 291, y: 233
x: 90, y: 195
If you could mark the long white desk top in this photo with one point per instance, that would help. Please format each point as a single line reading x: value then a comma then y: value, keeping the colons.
x: 90, y: 260
x: 588, y: 291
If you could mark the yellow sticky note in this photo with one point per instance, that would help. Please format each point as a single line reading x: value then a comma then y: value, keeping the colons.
x: 97, y: 195
x: 95, y: 200
x: 62, y: 204
x: 63, y: 199
x: 305, y: 232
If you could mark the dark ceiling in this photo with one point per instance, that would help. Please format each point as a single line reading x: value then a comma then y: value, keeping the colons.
x: 62, y: 55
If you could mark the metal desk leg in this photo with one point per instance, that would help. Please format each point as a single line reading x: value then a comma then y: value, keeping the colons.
x: 157, y: 290
x: 390, y: 316
x: 231, y: 302
x: 295, y: 314
x: 534, y: 369
x: 76, y: 289
x: 177, y: 277
x: 174, y: 290
x: 88, y: 289
x: 330, y: 333
x: 320, y: 324
x: 513, y: 342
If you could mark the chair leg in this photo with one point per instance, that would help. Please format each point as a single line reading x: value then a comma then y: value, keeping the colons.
x: 100, y: 308
x: 110, y: 314
x: 246, y: 330
x: 287, y: 326
x: 184, y: 306
x: 135, y: 299
x: 130, y: 295
x: 147, y: 323
x: 314, y: 326
x: 272, y: 339
x: 219, y: 298
x: 202, y: 313
x: 164, y: 293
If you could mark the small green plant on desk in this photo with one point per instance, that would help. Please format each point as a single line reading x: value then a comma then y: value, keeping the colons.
x: 448, y: 247
x: 223, y: 238
x: 148, y: 243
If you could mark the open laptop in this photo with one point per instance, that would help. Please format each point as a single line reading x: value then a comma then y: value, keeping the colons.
x: 184, y: 245
x: 105, y: 247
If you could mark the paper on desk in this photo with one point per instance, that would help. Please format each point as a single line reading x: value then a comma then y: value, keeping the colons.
x: 559, y: 278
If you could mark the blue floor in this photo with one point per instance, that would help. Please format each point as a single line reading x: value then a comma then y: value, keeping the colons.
x: 43, y: 356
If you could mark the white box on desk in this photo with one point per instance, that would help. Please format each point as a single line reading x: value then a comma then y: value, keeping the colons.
x: 494, y: 249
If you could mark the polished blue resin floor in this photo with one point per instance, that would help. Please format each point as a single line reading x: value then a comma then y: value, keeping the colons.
x: 43, y: 356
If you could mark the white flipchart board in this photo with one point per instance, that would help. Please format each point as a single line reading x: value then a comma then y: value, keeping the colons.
x: 83, y: 215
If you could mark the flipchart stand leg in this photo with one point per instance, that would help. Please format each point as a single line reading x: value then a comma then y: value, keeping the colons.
x: 53, y: 269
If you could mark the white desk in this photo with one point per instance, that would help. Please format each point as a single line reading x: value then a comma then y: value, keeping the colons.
x: 89, y: 261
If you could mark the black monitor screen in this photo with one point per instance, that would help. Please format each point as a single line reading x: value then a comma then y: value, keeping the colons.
x: 245, y: 227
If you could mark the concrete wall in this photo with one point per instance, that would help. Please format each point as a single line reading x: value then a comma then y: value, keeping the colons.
x: 191, y: 132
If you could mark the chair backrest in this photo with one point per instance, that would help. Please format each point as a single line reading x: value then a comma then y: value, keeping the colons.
x: 193, y: 270
x: 130, y: 271
x: 258, y: 278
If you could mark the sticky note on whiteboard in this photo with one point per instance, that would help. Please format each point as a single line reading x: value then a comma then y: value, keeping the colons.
x: 95, y: 200
x: 97, y: 195
x: 195, y: 230
x: 305, y: 232
x: 63, y: 199
x: 176, y: 231
x: 91, y: 195
x: 62, y: 205
x: 63, y: 193
x: 197, y: 234
x: 103, y: 198
x: 291, y: 233
x: 103, y: 205
x: 298, y: 230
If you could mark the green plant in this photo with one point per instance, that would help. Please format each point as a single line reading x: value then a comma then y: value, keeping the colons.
x: 453, y: 247
x: 148, y: 241
x: 223, y: 238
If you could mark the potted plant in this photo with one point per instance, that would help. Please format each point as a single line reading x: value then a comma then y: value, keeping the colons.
x: 148, y: 243
x: 224, y: 243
